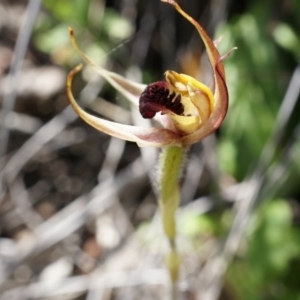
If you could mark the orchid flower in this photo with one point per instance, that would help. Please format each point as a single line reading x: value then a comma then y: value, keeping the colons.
x: 187, y: 109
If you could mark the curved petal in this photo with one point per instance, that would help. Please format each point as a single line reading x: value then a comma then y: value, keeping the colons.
x: 129, y: 89
x: 220, y: 93
x: 154, y: 137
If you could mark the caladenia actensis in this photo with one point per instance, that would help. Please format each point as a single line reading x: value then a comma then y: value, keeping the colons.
x: 187, y: 111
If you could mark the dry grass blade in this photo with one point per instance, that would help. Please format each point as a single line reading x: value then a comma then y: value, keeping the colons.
x: 14, y: 73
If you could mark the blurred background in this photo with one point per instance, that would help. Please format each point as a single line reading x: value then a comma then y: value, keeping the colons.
x: 78, y: 215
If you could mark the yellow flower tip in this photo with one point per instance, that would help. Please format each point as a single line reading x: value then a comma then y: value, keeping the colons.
x: 74, y: 71
x: 71, y: 31
x: 70, y: 77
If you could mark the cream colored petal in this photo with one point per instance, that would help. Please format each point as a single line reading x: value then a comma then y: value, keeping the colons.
x: 154, y: 137
x: 202, y: 132
x: 201, y: 101
x: 129, y: 89
x: 185, y: 124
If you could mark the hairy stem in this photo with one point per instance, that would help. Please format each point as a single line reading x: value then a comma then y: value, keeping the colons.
x: 170, y: 164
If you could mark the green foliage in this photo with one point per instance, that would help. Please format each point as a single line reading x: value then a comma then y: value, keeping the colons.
x: 69, y: 9
x: 99, y: 29
x: 111, y: 24
x: 254, y: 97
x: 287, y: 38
x: 193, y: 225
x: 272, y: 254
x: 258, y: 73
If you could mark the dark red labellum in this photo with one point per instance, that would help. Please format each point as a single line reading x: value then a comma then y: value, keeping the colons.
x: 158, y: 98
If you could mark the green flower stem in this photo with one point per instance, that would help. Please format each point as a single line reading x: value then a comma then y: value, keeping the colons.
x: 169, y: 171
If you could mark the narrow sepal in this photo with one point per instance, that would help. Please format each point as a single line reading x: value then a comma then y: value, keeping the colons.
x: 154, y: 137
x: 128, y: 88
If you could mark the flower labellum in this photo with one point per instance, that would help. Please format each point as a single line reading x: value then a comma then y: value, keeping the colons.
x: 187, y: 109
x: 188, y: 102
